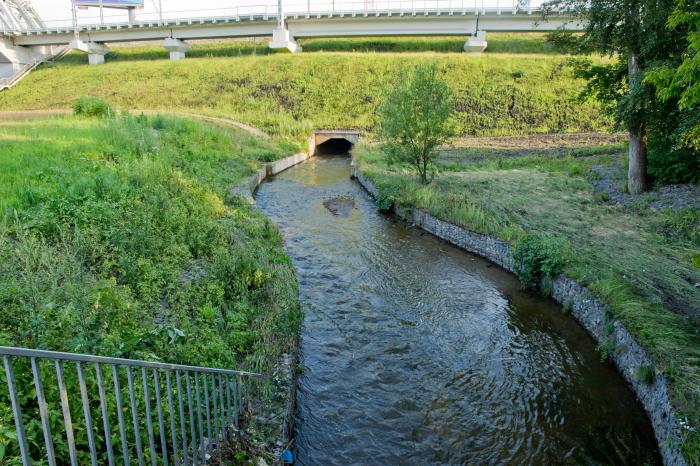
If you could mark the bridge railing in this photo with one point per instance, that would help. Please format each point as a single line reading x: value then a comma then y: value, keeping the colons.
x: 82, y: 409
x: 295, y: 8
x: 403, y: 6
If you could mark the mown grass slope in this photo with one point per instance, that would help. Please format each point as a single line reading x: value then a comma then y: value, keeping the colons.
x: 636, y: 258
x: 288, y: 95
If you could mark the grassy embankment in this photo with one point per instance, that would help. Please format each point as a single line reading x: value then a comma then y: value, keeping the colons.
x: 524, y: 89
x: 119, y: 237
x: 637, y: 259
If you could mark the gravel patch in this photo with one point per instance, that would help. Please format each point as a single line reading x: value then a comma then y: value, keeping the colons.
x: 609, y: 181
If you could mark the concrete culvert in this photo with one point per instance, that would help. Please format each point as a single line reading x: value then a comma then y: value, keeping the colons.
x: 334, y: 146
x: 333, y: 141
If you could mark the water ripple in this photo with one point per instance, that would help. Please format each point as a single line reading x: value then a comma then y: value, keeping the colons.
x: 414, y: 352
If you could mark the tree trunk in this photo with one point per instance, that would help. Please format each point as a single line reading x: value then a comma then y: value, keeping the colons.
x: 637, y: 170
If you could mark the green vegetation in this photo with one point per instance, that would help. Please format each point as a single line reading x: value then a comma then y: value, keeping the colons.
x: 92, y: 107
x: 635, y: 258
x: 118, y: 236
x: 536, y: 257
x: 288, y: 95
x: 415, y: 120
x: 650, y: 87
x: 645, y: 374
x: 503, y: 42
x: 135, y: 216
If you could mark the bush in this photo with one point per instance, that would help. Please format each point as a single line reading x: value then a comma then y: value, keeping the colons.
x: 645, y: 374
x: 668, y: 165
x: 536, y: 256
x: 92, y: 107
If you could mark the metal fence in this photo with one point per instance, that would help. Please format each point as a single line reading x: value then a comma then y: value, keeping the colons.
x: 75, y: 408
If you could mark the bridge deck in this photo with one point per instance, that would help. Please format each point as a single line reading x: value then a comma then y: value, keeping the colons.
x: 337, y: 23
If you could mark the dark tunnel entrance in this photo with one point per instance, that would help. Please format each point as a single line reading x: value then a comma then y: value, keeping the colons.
x: 334, y: 146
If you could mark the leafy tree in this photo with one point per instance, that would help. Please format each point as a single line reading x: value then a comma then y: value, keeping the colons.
x: 681, y: 81
x: 635, y: 33
x: 415, y: 119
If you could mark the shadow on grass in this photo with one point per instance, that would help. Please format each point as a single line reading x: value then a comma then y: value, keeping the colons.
x: 155, y: 52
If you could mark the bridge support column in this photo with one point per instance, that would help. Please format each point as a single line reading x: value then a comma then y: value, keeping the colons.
x: 476, y: 44
x: 177, y: 48
x: 14, y: 57
x: 282, y: 39
x: 95, y: 50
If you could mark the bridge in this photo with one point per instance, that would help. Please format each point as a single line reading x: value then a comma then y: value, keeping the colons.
x: 25, y: 38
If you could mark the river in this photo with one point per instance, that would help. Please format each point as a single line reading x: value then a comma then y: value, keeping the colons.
x: 413, y: 351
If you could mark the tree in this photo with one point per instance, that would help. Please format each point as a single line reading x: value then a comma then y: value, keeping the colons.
x: 635, y: 33
x: 415, y: 119
x: 681, y: 80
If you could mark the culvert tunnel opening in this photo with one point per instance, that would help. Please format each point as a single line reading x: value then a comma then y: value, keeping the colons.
x: 334, y: 146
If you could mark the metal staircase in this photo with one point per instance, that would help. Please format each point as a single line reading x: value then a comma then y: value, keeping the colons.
x: 6, y: 83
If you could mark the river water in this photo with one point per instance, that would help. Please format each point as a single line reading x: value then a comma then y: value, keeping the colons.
x: 416, y: 352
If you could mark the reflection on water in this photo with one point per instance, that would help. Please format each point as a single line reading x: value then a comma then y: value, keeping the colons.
x: 415, y: 352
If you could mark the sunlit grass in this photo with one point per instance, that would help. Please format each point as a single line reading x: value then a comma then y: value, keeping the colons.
x: 495, y: 94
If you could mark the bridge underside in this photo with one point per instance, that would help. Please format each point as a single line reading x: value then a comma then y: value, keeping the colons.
x: 472, y: 24
x: 301, y: 27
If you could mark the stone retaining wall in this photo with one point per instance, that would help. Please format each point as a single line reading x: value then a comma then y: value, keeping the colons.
x: 592, y: 314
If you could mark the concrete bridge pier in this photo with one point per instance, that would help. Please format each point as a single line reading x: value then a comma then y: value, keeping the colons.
x: 14, y: 57
x: 177, y: 48
x: 95, y: 50
x: 476, y: 43
x: 282, y: 39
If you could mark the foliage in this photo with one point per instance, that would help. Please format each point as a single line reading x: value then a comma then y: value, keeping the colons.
x: 92, y: 107
x: 535, y: 256
x: 606, y: 347
x: 119, y: 237
x: 645, y: 374
x: 671, y: 160
x: 653, y: 101
x: 528, y: 42
x: 415, y: 119
x: 288, y: 95
x: 679, y: 80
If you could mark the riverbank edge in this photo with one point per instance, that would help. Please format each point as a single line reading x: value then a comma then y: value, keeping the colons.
x: 284, y: 372
x: 589, y: 312
x: 288, y: 363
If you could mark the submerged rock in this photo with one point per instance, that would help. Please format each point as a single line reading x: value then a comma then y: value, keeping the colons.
x: 340, y: 205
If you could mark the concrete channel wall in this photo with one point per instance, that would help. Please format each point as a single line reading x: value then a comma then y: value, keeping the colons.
x: 593, y: 315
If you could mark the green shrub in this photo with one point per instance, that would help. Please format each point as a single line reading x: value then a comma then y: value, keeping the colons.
x: 682, y: 225
x: 667, y: 165
x: 535, y: 256
x: 92, y: 107
x: 606, y: 348
x: 645, y: 374
x: 385, y: 197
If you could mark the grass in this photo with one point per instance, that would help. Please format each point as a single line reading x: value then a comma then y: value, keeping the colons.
x: 508, y: 93
x: 119, y: 237
x: 636, y: 259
